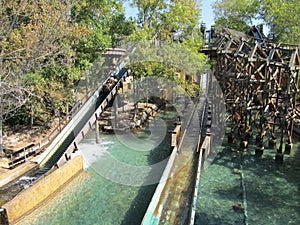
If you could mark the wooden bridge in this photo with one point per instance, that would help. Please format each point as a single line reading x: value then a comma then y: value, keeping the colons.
x: 260, y: 82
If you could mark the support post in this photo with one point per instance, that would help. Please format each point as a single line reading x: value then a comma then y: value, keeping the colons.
x: 97, y: 130
x: 116, y: 111
x: 3, y: 217
x: 272, y: 141
x: 279, y: 154
x: 24, y: 154
x: 289, y: 145
x: 259, y: 150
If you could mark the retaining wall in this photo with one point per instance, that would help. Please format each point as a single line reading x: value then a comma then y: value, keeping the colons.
x: 33, y: 196
x: 153, y: 213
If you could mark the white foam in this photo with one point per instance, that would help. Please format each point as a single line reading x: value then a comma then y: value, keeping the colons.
x: 91, y: 152
x: 106, y: 142
x: 26, y: 178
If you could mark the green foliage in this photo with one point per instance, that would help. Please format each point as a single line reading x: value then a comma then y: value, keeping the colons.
x: 282, y: 17
x: 94, y: 15
x: 236, y: 14
x: 149, y: 11
x: 156, y: 69
x: 35, y: 35
x: 182, y: 15
x: 141, y: 34
x: 167, y: 19
x: 119, y: 28
x: 172, y: 61
x: 91, y: 46
x: 45, y: 48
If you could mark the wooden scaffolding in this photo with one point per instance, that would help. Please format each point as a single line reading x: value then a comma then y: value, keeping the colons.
x: 260, y: 83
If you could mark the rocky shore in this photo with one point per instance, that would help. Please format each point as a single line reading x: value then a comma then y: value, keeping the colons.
x: 128, y: 116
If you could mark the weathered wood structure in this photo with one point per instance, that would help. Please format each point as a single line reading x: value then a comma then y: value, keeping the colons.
x: 260, y: 81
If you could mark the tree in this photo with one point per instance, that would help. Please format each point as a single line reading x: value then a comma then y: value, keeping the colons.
x: 94, y: 15
x: 119, y: 28
x: 149, y: 11
x: 46, y: 42
x: 236, y: 14
x: 175, y: 24
x: 165, y: 61
x: 33, y: 35
x: 182, y: 17
x: 283, y: 18
x: 167, y: 19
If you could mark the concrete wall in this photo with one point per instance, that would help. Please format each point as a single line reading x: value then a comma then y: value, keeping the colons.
x: 153, y: 213
x: 31, y: 197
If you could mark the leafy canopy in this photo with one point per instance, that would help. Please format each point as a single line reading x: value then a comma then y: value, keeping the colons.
x: 281, y: 17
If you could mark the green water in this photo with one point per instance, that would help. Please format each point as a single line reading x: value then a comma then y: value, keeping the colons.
x: 271, y: 191
x: 95, y: 199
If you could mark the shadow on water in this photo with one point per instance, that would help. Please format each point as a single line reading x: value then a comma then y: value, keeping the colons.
x: 272, y: 190
x: 139, y: 205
